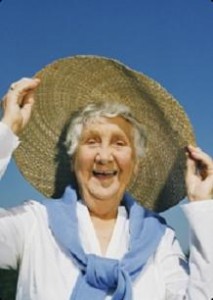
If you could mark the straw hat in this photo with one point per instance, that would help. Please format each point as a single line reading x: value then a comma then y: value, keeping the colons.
x: 69, y: 84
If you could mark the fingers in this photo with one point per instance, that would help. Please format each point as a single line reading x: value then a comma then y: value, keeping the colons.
x: 18, y: 90
x: 24, y: 84
x: 199, y: 162
x: 18, y: 103
x: 198, y: 154
x: 199, y: 175
x: 26, y: 108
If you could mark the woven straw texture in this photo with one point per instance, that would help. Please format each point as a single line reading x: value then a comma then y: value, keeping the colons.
x: 69, y: 84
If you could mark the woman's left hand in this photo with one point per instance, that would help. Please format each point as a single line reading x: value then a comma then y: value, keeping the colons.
x: 199, y: 174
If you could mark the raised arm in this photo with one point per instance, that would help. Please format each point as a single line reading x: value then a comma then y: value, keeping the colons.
x: 17, y: 105
x: 192, y: 279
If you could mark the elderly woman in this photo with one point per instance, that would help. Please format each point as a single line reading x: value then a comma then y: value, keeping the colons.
x: 96, y: 241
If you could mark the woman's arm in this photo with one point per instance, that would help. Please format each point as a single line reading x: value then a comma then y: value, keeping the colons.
x: 17, y: 107
x: 192, y: 279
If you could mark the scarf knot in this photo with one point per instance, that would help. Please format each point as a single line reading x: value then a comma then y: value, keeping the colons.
x: 102, y: 273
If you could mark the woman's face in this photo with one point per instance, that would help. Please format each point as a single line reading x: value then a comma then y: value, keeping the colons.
x: 105, y: 159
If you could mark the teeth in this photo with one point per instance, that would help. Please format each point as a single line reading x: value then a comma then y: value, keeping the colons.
x: 104, y: 173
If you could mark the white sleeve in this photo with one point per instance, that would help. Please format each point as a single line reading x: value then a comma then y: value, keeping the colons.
x: 8, y: 255
x: 8, y: 143
x: 16, y: 226
x: 190, y: 279
x: 200, y: 217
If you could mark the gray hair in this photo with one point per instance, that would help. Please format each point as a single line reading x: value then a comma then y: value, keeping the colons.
x: 108, y: 110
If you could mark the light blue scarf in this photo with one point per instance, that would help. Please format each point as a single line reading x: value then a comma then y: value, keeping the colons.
x: 100, y: 276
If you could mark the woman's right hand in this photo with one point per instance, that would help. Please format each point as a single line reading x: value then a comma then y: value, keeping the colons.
x: 18, y: 103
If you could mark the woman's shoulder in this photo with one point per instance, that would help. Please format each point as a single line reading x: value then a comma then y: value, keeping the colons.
x: 28, y: 211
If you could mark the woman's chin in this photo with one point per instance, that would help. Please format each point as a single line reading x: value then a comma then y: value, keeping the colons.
x: 105, y: 192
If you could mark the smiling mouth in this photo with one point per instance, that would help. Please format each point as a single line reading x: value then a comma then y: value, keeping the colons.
x: 104, y: 174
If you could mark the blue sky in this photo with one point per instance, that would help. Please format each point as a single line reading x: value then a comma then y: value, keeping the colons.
x: 171, y: 41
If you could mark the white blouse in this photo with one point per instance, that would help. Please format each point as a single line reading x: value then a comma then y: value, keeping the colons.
x: 46, y: 271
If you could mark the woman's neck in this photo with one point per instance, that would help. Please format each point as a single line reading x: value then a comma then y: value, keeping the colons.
x: 104, y: 228
x: 103, y: 213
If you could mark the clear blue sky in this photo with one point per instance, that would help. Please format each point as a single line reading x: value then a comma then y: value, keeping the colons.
x: 171, y: 41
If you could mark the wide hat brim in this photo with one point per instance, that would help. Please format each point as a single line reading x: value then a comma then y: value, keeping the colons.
x: 68, y: 85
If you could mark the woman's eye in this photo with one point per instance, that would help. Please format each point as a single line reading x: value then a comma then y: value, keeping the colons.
x: 92, y: 141
x: 120, y: 143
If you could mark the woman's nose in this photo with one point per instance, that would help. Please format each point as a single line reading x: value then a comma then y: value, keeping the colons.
x: 104, y: 154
